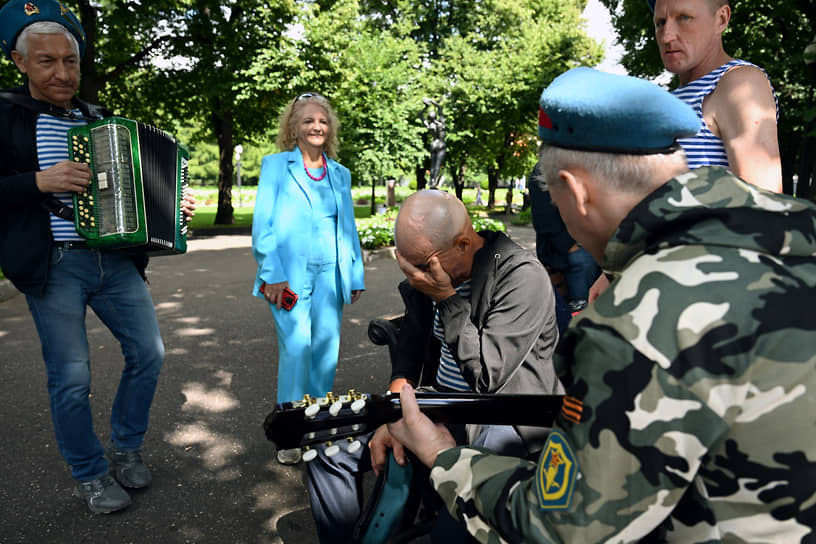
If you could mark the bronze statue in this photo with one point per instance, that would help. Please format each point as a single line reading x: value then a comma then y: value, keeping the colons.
x: 435, y: 122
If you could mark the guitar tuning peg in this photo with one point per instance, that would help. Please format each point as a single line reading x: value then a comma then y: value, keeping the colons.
x: 332, y: 450
x: 309, y: 454
x: 354, y: 445
x: 335, y: 408
x: 311, y: 411
x: 358, y: 405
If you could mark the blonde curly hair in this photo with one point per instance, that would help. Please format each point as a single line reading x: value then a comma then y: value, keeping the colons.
x: 287, y: 133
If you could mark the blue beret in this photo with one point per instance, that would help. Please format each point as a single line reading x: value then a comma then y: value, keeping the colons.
x: 596, y: 111
x: 18, y: 14
x: 651, y: 4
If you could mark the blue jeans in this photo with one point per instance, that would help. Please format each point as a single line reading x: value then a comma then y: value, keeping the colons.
x: 581, y: 273
x: 108, y: 282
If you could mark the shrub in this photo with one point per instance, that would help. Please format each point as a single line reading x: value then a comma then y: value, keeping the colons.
x: 362, y: 211
x: 524, y: 217
x: 378, y: 231
x: 486, y: 223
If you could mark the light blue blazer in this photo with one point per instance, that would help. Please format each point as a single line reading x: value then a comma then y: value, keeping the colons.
x: 281, y: 225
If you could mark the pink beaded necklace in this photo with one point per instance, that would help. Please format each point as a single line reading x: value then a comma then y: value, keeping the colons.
x: 325, y: 168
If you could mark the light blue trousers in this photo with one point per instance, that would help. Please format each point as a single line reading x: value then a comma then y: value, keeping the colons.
x: 309, y: 336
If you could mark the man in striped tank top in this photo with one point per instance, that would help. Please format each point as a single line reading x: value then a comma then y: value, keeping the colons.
x: 734, y: 99
x: 45, y: 258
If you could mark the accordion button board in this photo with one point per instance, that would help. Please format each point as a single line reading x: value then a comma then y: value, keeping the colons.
x: 139, y: 178
x: 83, y: 206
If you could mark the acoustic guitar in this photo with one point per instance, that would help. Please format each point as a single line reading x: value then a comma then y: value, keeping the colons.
x: 338, y: 419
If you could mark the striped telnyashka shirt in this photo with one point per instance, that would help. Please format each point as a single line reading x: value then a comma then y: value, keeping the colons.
x: 706, y: 149
x: 449, y: 374
x: 52, y: 147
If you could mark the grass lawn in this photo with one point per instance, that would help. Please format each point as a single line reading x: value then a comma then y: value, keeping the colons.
x: 207, y: 196
x: 205, y: 216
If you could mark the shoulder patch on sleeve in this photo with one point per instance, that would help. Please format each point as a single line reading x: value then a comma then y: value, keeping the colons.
x: 556, y: 473
x: 572, y: 409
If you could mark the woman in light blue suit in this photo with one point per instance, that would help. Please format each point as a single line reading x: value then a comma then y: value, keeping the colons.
x: 304, y: 237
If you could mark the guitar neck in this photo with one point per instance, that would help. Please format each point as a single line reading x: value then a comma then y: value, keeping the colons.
x: 531, y: 410
x: 327, y: 420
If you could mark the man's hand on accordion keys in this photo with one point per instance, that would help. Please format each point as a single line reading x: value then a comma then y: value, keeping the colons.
x: 64, y: 176
x: 188, y: 205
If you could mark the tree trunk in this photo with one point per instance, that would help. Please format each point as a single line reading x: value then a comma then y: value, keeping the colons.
x: 373, y: 196
x: 459, y: 180
x: 494, y: 171
x: 222, y: 122
x: 390, y: 195
x: 492, y: 184
x: 90, y: 81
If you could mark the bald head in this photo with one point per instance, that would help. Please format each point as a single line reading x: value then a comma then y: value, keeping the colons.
x: 434, y: 231
x: 430, y: 220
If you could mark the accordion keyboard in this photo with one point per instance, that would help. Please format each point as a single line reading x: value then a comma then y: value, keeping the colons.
x: 85, y: 200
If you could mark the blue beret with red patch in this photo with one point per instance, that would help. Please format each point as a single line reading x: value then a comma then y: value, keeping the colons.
x: 18, y: 14
x: 589, y: 110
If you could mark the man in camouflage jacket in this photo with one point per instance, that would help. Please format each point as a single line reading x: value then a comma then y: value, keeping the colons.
x: 691, y: 381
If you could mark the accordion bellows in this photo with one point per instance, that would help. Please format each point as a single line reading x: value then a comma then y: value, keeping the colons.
x: 139, y: 179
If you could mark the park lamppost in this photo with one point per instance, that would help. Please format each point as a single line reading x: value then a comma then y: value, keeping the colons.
x: 238, y: 150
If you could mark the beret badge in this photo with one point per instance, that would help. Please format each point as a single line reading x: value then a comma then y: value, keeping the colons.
x: 30, y: 9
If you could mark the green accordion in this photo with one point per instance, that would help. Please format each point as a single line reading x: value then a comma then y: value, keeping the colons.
x: 139, y: 179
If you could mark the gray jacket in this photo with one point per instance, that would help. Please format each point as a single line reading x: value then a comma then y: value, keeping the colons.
x: 503, y: 338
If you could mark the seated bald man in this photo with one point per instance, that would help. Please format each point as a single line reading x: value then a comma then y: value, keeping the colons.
x: 479, y: 317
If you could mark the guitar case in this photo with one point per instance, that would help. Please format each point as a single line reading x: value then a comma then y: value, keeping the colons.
x: 394, y: 503
x: 385, y: 508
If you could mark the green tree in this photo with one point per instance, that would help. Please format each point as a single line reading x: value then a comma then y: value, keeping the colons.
x: 372, y: 80
x: 770, y: 33
x: 217, y: 81
x: 494, y: 75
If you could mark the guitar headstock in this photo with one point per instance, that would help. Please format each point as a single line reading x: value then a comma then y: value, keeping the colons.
x: 331, y: 420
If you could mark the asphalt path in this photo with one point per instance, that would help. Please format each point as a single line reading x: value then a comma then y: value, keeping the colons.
x: 215, y: 478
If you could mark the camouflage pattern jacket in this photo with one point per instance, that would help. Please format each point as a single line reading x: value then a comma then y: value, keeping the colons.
x: 690, y: 413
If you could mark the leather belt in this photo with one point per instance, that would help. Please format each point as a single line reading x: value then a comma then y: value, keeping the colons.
x: 71, y: 244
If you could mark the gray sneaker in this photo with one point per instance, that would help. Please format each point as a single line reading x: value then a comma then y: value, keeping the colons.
x: 103, y: 495
x: 128, y: 468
